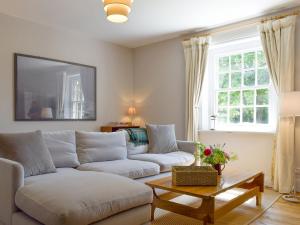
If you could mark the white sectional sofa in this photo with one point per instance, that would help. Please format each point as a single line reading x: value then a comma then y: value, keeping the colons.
x: 99, y: 180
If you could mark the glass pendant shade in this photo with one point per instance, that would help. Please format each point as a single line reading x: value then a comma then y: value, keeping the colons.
x: 117, y: 11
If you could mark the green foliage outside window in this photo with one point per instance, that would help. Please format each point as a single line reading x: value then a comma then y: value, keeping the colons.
x: 249, y: 78
x: 224, y: 64
x: 224, y: 80
x: 262, y: 115
x: 262, y: 96
x: 235, y: 98
x: 234, y: 115
x: 236, y: 79
x: 249, y: 60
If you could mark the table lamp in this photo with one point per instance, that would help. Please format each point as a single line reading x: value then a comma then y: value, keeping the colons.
x: 46, y: 113
x: 131, y: 113
x: 290, y: 107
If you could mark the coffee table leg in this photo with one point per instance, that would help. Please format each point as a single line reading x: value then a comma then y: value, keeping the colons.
x: 153, y: 207
x: 258, y: 199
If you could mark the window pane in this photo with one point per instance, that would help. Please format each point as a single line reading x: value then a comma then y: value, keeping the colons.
x: 222, y: 98
x: 262, y: 115
x: 224, y: 80
x: 236, y: 80
x: 248, y: 115
x: 262, y: 96
x: 262, y: 76
x: 234, y: 116
x: 222, y: 115
x: 249, y: 60
x: 249, y: 78
x: 248, y: 97
x: 224, y: 64
x: 235, y: 97
x: 236, y: 62
x: 261, y: 61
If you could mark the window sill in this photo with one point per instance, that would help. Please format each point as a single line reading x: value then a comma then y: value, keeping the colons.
x: 237, y: 132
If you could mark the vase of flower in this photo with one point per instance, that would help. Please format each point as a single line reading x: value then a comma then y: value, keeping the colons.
x: 218, y: 167
x: 213, y: 155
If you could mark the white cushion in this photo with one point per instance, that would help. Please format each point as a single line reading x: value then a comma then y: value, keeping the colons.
x: 129, y: 168
x: 99, y: 147
x: 62, y: 147
x: 166, y: 161
x: 72, y: 197
x: 162, y: 138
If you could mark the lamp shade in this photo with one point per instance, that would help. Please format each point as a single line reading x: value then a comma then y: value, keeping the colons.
x: 290, y: 104
x: 46, y: 113
x: 117, y: 11
x: 131, y: 111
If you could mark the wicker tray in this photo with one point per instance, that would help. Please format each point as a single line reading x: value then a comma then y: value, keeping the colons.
x: 194, y: 176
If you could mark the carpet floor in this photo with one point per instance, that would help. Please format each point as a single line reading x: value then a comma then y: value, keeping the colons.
x: 242, y: 215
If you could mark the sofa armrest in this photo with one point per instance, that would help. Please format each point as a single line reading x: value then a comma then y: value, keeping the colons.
x: 11, y: 179
x: 186, y: 146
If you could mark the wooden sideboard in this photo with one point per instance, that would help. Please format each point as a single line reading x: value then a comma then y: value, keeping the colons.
x: 113, y: 128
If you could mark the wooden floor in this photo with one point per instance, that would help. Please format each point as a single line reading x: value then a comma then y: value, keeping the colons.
x: 281, y: 213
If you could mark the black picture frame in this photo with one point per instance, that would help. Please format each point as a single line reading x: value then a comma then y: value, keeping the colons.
x: 18, y: 92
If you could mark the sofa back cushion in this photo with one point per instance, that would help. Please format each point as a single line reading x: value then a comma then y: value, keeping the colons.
x: 29, y: 150
x: 62, y: 147
x: 99, y: 146
x: 162, y: 138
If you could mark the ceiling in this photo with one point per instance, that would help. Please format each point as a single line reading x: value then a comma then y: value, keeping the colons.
x: 150, y: 20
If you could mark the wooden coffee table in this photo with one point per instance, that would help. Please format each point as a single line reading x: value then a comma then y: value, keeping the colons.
x: 253, y: 183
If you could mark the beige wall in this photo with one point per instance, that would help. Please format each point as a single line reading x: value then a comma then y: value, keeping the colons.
x: 159, y: 90
x: 114, y: 70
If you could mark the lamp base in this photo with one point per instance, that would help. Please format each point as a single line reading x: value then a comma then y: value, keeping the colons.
x: 291, y: 198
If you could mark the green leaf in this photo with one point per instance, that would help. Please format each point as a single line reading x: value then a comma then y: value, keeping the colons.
x: 236, y: 79
x: 236, y: 62
x: 248, y: 97
x: 261, y: 60
x: 222, y: 115
x: 262, y: 96
x: 248, y: 115
x: 235, y: 97
x: 234, y: 115
x: 223, y: 80
x: 249, y: 60
x: 262, y: 115
x: 224, y: 64
x: 222, y: 98
x: 249, y: 78
x: 263, y: 76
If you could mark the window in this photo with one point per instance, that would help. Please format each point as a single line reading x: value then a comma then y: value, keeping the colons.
x: 240, y: 92
x: 76, y: 97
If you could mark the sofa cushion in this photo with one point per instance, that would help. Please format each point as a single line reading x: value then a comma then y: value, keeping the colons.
x: 162, y: 138
x: 99, y: 147
x: 166, y: 161
x: 62, y: 147
x: 129, y: 168
x: 72, y: 197
x: 29, y: 150
x: 133, y: 149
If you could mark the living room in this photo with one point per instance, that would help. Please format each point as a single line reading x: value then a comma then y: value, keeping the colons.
x: 142, y: 74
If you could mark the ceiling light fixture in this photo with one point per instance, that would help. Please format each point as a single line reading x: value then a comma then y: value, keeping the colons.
x: 117, y: 11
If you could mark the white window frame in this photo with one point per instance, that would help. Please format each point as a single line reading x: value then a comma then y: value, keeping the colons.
x: 209, y: 96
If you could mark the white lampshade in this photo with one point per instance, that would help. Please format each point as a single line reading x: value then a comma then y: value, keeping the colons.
x: 46, y: 113
x: 290, y: 104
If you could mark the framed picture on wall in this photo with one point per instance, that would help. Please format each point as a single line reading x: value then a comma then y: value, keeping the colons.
x: 53, y: 90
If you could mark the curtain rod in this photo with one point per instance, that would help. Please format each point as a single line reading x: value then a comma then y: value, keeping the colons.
x: 245, y: 23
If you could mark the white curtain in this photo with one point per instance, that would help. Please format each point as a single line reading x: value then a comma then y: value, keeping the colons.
x: 278, y: 41
x: 195, y: 51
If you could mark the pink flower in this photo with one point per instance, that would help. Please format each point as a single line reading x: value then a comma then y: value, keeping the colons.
x: 207, y: 152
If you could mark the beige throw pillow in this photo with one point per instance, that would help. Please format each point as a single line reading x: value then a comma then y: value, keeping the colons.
x: 29, y: 150
x: 162, y: 138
